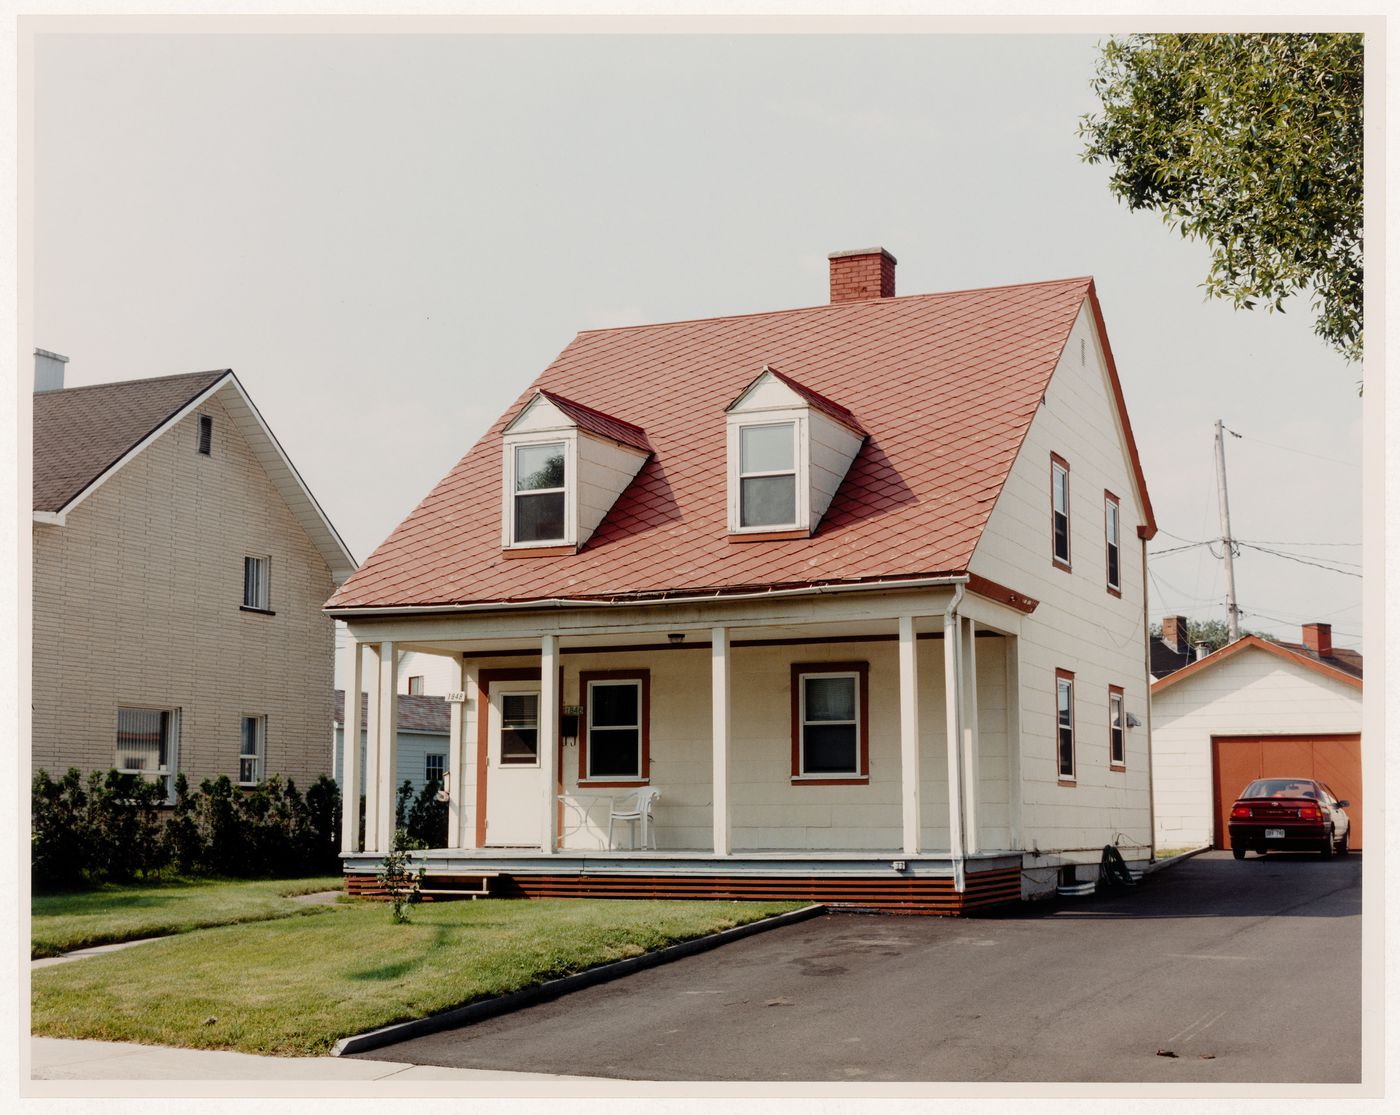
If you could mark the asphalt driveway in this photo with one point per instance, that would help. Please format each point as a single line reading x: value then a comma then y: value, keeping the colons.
x: 1208, y: 961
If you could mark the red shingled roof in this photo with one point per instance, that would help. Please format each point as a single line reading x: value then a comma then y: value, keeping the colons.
x: 946, y: 386
x: 596, y: 422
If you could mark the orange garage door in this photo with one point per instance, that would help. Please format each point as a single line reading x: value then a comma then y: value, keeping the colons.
x: 1238, y: 760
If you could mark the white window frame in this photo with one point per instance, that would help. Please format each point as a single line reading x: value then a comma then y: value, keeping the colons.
x: 261, y: 585
x: 259, y: 753
x: 569, y: 442
x: 428, y: 756
x: 1057, y: 469
x: 638, y: 727
x: 802, y: 494
x: 802, y: 723
x: 167, y: 770
x: 1060, y: 774
x: 416, y: 684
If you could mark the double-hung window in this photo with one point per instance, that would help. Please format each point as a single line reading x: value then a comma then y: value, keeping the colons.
x: 1111, y: 548
x: 1064, y: 724
x: 257, y: 576
x: 829, y: 722
x: 147, y: 742
x: 1117, y: 753
x: 415, y: 685
x: 1059, y: 510
x: 768, y: 475
x: 539, y: 489
x: 252, y: 750
x: 614, y: 744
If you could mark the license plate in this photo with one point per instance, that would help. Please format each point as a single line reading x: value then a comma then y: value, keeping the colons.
x: 1273, y: 834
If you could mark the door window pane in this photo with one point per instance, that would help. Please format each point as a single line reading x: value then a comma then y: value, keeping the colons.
x: 520, y: 736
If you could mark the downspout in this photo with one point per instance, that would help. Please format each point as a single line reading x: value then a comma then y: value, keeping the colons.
x: 1147, y: 714
x: 953, y: 695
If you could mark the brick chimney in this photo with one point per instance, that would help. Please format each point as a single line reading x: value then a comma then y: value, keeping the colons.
x: 1174, y: 633
x: 48, y: 370
x: 1317, y: 637
x: 861, y: 274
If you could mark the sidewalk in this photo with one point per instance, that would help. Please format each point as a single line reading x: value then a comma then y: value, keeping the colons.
x: 62, y: 1059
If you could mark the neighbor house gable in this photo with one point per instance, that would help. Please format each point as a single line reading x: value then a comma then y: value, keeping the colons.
x: 1253, y: 643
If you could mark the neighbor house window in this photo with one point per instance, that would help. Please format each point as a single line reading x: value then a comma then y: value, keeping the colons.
x: 433, y: 768
x: 147, y: 742
x: 415, y: 685
x: 1111, y: 550
x: 614, y: 744
x: 1059, y: 509
x: 256, y: 587
x: 1064, y: 723
x: 768, y: 475
x: 539, y: 480
x: 252, y: 750
x: 1117, y: 753
x: 206, y: 434
x: 829, y: 722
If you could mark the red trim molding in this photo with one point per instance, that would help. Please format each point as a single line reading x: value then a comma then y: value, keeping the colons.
x: 991, y: 590
x: 584, y: 677
x: 1067, y: 562
x: 771, y: 536
x: 862, y: 672
x: 539, y: 552
x: 484, y: 681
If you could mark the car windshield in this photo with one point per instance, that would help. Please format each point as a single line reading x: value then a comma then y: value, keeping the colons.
x: 1281, y: 788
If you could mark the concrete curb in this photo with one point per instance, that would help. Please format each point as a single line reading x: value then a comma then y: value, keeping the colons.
x: 1161, y: 864
x: 529, y: 996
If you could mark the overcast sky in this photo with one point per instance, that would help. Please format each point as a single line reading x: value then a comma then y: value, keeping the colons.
x: 388, y: 237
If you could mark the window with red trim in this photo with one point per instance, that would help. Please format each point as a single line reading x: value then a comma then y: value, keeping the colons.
x: 1064, y: 724
x: 1117, y: 726
x: 614, y: 729
x: 1059, y: 510
x: 830, y: 722
x: 1112, y: 551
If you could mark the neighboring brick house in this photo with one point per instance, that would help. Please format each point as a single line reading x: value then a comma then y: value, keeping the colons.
x: 180, y: 568
x: 858, y: 589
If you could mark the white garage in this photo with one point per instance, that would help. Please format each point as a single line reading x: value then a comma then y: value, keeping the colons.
x: 1253, y: 709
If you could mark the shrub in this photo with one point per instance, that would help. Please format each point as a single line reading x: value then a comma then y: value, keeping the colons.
x: 427, y: 818
x: 59, y: 833
x: 184, y: 842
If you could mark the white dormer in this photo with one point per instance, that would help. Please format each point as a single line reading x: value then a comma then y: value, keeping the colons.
x: 788, y: 451
x: 563, y: 467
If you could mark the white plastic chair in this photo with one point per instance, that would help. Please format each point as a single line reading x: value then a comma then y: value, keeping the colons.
x: 635, y: 808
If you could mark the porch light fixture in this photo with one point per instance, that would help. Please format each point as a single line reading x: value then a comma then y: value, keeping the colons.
x: 568, y: 724
x: 676, y: 636
x: 1133, y: 721
x: 442, y: 794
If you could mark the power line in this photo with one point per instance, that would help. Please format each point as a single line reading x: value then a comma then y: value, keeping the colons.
x: 1176, y: 549
x: 1290, y: 449
x: 1303, y: 561
x: 1276, y: 542
x: 1278, y: 619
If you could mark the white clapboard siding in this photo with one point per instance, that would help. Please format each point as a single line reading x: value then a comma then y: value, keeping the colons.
x: 1079, y: 625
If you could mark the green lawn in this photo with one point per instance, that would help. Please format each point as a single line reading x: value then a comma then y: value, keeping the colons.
x: 296, y: 985
x: 109, y: 913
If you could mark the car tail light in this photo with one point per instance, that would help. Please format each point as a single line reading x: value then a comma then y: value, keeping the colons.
x: 1309, y: 813
x: 1241, y: 811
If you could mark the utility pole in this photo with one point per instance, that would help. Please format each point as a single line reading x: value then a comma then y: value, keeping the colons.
x: 1231, y: 608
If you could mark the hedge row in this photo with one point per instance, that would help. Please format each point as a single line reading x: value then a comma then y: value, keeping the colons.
x: 115, y: 826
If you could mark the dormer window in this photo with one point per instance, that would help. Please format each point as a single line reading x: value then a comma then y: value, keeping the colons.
x: 768, y: 475
x: 564, y: 465
x: 540, y: 491
x: 789, y: 449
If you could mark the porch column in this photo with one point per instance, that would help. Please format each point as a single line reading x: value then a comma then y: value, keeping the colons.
x: 388, y: 717
x: 950, y: 696
x: 1014, y: 790
x: 351, y: 722
x: 909, y: 733
x: 970, y: 741
x: 719, y: 735
x: 549, y: 738
x: 371, y: 772
x: 456, y: 751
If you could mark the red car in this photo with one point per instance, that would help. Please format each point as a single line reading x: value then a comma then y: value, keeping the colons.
x: 1289, y: 815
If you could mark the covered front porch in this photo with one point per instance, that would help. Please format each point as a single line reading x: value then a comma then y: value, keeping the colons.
x: 859, y: 744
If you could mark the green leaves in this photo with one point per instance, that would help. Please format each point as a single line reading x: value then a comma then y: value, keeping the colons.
x: 1252, y: 143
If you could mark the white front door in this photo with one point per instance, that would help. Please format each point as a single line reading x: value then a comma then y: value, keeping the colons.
x: 514, y: 781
